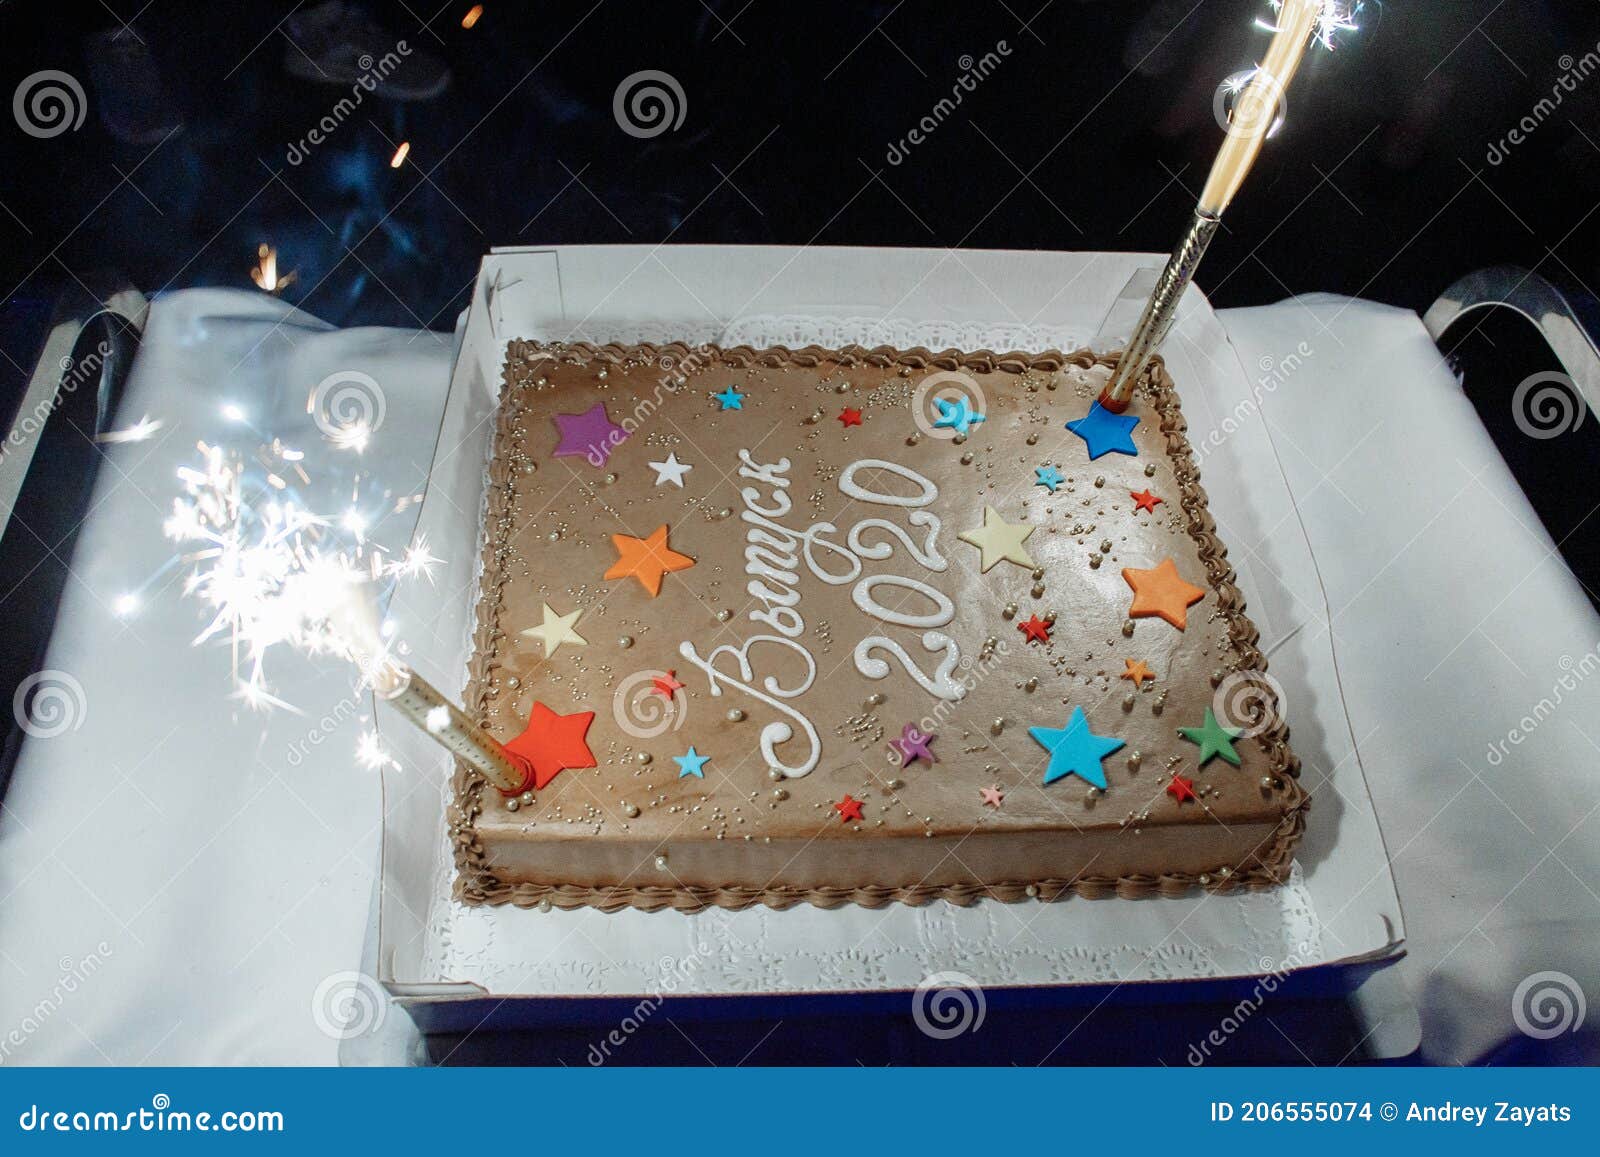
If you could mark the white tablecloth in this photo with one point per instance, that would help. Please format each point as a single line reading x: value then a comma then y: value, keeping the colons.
x: 142, y: 923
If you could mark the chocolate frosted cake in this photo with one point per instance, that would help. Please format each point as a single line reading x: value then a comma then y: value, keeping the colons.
x: 772, y: 626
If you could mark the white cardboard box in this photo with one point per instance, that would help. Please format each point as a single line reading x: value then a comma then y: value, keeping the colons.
x: 1340, y: 909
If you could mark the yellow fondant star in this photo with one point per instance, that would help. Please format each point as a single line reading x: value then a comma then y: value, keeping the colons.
x: 555, y: 630
x: 1000, y: 540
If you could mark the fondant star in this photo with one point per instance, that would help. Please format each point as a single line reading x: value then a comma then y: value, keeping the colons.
x: 553, y: 743
x: 1181, y: 789
x: 671, y: 470
x: 1137, y: 670
x: 999, y: 539
x: 667, y: 684
x: 848, y: 809
x: 1162, y: 592
x: 1035, y: 629
x: 555, y: 630
x: 691, y: 763
x: 1104, y: 431
x: 955, y: 415
x: 1144, y: 500
x: 590, y: 435
x: 730, y: 399
x: 913, y: 745
x: 850, y: 417
x: 1213, y: 738
x: 646, y: 559
x: 1074, y: 749
x: 992, y: 795
x: 1048, y: 477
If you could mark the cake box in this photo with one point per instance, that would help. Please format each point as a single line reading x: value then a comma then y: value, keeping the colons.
x: 1338, y: 909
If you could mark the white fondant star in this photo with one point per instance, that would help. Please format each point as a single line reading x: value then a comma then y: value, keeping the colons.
x: 1000, y: 540
x: 555, y: 630
x: 671, y: 471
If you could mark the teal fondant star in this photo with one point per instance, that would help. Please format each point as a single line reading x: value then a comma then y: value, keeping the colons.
x: 1104, y: 431
x: 955, y: 415
x: 1048, y: 477
x: 730, y: 398
x: 691, y: 763
x: 1074, y: 749
x: 1214, y: 739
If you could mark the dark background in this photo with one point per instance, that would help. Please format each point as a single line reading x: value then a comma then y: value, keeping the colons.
x: 1095, y: 133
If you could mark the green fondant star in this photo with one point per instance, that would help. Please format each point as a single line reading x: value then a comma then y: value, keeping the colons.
x: 1213, y: 738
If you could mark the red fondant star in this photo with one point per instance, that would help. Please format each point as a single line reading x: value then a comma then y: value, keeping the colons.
x: 1035, y: 629
x: 553, y: 743
x: 1181, y: 789
x: 848, y: 809
x: 1144, y: 500
x: 850, y: 417
x: 667, y: 684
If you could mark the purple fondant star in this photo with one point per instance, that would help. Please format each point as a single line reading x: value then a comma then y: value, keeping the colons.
x: 590, y: 435
x: 913, y: 745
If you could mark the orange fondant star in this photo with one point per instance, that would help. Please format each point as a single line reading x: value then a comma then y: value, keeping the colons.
x: 850, y: 417
x: 848, y: 808
x: 1137, y: 670
x: 554, y: 743
x: 646, y: 559
x: 1161, y: 592
x: 1144, y: 500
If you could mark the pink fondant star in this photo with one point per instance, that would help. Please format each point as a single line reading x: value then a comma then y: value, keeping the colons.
x: 992, y: 795
x: 591, y: 435
x: 913, y: 745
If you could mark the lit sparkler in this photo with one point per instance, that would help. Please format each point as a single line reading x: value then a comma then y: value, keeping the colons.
x: 1256, y: 113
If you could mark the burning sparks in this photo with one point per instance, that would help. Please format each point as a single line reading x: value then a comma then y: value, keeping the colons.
x: 1336, y: 16
x: 265, y: 273
x: 142, y: 430
x: 370, y: 753
x: 274, y: 572
x: 400, y: 155
x: 472, y: 16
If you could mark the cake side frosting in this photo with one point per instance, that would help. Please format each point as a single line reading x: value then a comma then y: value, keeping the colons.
x: 633, y: 835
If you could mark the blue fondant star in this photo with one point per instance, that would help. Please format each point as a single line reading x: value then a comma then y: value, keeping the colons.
x: 1074, y: 749
x: 691, y: 764
x: 730, y: 398
x: 1048, y: 477
x: 955, y: 415
x: 1104, y: 431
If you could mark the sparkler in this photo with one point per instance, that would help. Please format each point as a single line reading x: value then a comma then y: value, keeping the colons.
x: 1256, y: 113
x: 275, y: 572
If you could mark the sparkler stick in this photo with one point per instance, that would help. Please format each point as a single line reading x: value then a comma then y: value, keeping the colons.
x: 1256, y: 111
x: 275, y: 573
